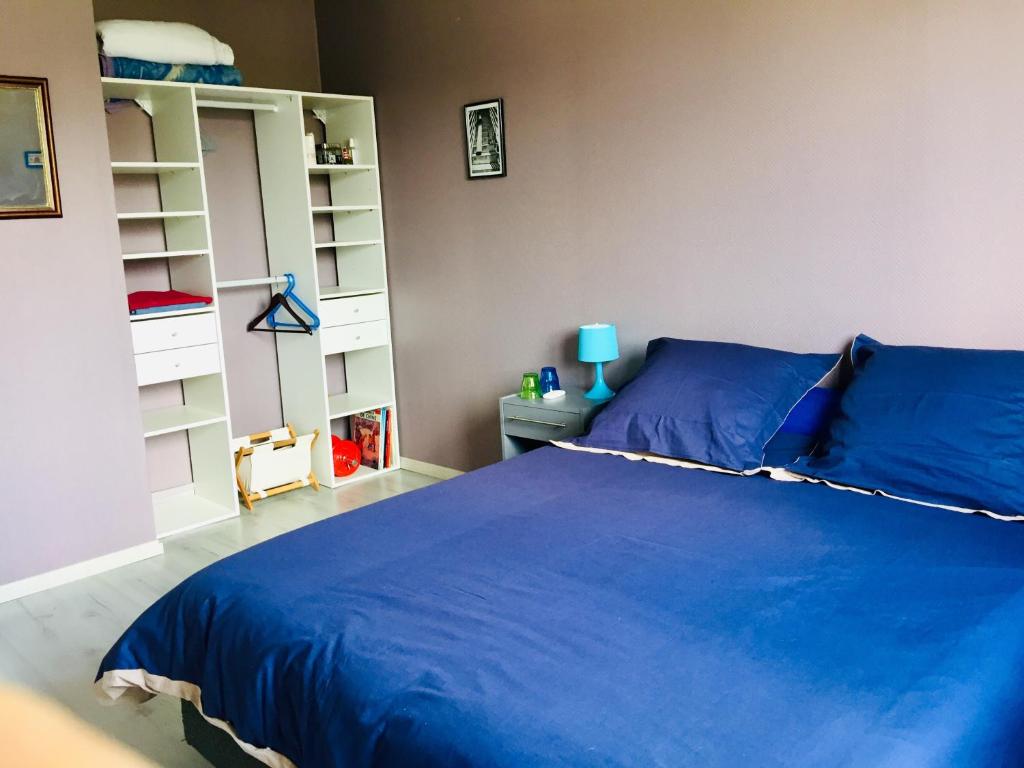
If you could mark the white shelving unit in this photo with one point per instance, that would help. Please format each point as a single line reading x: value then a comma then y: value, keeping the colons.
x: 360, y: 261
x: 347, y: 366
x: 182, y: 346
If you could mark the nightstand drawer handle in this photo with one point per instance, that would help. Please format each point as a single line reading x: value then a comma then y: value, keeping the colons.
x: 537, y: 421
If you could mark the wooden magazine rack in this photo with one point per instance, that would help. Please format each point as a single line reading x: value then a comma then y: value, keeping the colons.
x: 278, y: 461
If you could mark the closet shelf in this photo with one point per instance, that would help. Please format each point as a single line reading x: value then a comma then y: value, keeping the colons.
x: 163, y: 254
x: 349, y: 403
x: 163, y: 421
x: 149, y: 167
x: 340, y: 168
x: 182, y: 512
x: 173, y: 313
x: 142, y: 215
x: 344, y: 208
x: 363, y: 473
x: 346, y: 243
x: 338, y: 291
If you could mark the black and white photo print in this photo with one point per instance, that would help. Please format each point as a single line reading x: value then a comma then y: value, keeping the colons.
x: 485, y: 138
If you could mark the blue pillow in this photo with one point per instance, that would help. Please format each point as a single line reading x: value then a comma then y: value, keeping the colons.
x: 707, y: 401
x: 942, y: 426
x: 804, y: 427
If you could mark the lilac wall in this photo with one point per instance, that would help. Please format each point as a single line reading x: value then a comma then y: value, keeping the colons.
x: 784, y: 173
x: 71, y: 459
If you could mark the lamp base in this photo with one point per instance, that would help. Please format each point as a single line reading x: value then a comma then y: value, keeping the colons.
x: 600, y: 391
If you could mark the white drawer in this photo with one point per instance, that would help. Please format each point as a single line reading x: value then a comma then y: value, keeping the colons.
x: 354, y: 309
x: 172, y: 364
x: 346, y: 338
x: 173, y: 332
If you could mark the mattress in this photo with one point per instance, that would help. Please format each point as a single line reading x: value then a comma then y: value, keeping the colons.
x: 574, y: 609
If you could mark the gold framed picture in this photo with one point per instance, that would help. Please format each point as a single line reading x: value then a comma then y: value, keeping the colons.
x: 28, y: 163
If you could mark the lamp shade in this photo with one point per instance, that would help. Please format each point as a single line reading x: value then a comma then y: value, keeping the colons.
x: 598, y: 343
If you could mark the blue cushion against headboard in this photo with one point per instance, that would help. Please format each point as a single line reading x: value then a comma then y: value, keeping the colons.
x: 942, y: 426
x: 805, y: 426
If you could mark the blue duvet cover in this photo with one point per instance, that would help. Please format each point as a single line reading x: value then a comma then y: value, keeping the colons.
x: 571, y: 609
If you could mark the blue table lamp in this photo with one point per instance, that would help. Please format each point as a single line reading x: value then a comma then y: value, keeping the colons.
x: 599, y: 345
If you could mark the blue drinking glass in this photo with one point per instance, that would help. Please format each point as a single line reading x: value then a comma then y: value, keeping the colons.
x: 548, y: 379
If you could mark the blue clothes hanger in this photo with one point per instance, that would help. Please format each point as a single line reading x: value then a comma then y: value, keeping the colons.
x: 289, y: 295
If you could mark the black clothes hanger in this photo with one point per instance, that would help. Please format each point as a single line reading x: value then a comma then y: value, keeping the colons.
x: 279, y: 300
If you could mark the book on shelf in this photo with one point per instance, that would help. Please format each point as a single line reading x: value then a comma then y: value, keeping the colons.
x: 366, y: 432
x: 371, y: 430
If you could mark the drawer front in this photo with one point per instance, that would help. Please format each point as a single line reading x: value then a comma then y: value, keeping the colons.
x: 173, y: 333
x: 354, y: 309
x: 346, y: 338
x: 172, y: 364
x: 539, y: 423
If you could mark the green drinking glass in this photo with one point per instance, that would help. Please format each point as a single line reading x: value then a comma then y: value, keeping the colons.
x: 530, y: 389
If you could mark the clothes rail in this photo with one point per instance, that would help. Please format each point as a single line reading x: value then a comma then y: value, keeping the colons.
x: 272, y: 280
x: 254, y: 106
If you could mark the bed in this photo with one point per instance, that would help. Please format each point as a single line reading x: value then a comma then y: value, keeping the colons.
x: 576, y: 609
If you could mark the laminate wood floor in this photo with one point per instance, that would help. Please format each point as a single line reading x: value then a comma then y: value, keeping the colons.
x: 53, y: 641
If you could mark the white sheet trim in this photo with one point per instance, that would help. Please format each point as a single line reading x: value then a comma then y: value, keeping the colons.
x: 785, y: 475
x: 655, y: 459
x: 138, y: 685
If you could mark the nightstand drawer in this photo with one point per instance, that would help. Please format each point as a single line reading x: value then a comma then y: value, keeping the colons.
x: 539, y: 423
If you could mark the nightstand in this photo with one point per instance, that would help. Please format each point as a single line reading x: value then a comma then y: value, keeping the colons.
x: 528, y: 424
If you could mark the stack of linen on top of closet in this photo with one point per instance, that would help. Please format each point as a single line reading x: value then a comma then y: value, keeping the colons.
x: 164, y: 50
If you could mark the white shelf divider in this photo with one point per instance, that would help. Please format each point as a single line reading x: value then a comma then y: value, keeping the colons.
x: 349, y: 403
x: 178, y: 512
x: 344, y: 208
x: 164, y: 254
x: 361, y: 474
x: 341, y: 291
x: 175, y: 418
x: 135, y: 168
x: 337, y: 168
x: 142, y: 215
x: 346, y: 243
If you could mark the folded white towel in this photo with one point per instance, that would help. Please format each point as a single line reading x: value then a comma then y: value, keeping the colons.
x: 168, y: 42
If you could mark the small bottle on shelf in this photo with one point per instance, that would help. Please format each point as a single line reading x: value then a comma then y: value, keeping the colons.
x: 349, y: 152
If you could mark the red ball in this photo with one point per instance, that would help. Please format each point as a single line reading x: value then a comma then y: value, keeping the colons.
x: 346, y: 456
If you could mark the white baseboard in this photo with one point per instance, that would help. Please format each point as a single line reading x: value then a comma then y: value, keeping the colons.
x: 430, y: 470
x: 15, y: 589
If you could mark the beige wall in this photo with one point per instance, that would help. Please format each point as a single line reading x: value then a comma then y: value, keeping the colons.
x: 786, y: 173
x: 274, y: 40
x: 71, y: 460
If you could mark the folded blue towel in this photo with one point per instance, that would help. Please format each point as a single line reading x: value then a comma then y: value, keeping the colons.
x: 169, y: 308
x: 137, y: 69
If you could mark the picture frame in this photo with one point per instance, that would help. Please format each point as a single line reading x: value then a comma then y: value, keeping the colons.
x: 29, y: 185
x: 484, y: 130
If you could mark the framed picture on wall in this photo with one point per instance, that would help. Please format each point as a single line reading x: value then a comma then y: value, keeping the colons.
x: 485, y: 139
x: 28, y: 164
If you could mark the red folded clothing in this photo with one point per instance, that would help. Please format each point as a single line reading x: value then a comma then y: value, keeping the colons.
x: 147, y: 299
